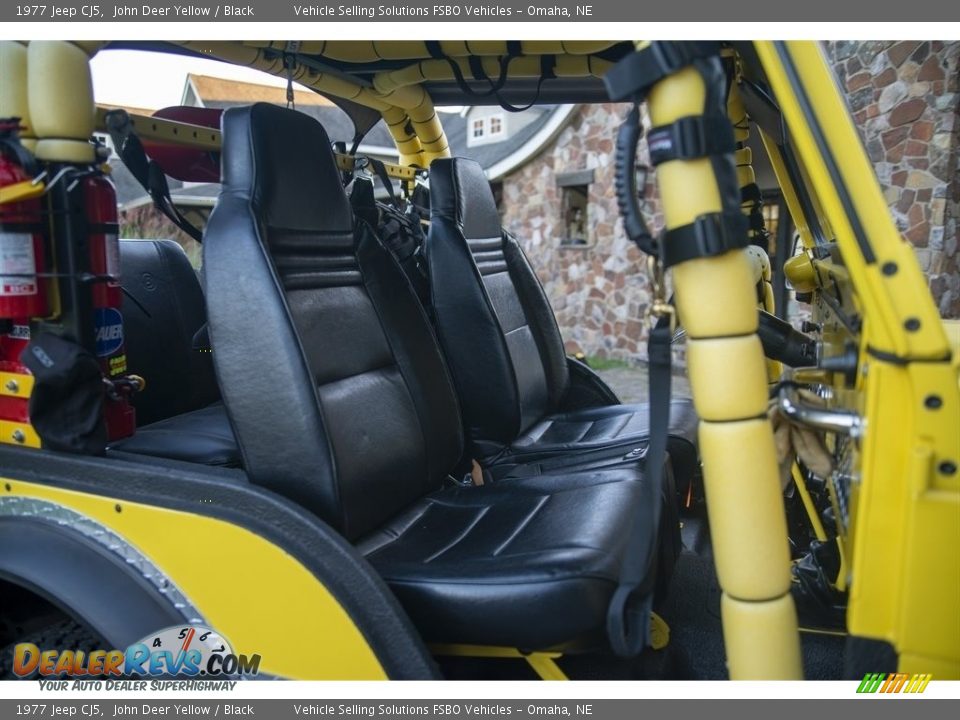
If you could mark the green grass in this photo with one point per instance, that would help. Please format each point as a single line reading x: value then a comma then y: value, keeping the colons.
x: 599, y: 363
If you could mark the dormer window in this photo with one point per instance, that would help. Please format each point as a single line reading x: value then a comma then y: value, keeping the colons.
x: 486, y: 126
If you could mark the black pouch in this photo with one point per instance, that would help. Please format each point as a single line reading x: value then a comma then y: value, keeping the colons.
x: 66, y: 406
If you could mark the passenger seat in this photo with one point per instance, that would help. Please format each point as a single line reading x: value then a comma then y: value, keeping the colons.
x: 179, y: 415
x: 342, y: 402
x: 504, y: 348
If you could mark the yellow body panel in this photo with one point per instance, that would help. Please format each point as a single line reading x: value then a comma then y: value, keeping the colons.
x: 262, y: 599
x: 905, y: 509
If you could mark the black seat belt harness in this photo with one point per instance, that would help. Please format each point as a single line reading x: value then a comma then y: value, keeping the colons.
x: 150, y: 175
x: 708, y: 136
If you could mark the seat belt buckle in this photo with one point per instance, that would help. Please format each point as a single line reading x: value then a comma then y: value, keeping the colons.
x: 660, y: 307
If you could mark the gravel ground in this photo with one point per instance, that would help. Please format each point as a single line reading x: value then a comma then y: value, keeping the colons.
x: 630, y: 383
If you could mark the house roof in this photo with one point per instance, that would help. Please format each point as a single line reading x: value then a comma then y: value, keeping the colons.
x: 220, y: 93
x: 214, y: 89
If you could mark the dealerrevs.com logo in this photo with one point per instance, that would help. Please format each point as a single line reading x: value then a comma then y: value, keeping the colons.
x: 182, y: 650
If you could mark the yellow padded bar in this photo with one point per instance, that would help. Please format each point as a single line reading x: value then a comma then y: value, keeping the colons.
x: 60, y: 94
x: 13, y: 89
x: 417, y: 111
x: 360, y: 51
x: 747, y: 521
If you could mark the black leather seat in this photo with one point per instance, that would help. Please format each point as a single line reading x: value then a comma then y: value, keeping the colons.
x: 179, y: 415
x: 343, y: 403
x: 502, y: 342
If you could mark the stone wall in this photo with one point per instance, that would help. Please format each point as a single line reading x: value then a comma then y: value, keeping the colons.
x: 904, y: 99
x: 599, y: 291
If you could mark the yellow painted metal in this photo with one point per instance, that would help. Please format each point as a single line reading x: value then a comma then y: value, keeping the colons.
x: 787, y: 189
x: 747, y: 521
x: 812, y: 515
x: 659, y: 632
x: 545, y: 667
x: 252, y: 591
x: 18, y: 385
x: 18, y: 192
x: 13, y: 90
x: 905, y: 509
x: 18, y: 433
x: 169, y: 131
x: 800, y: 272
x: 210, y: 139
x: 60, y: 95
x: 891, y: 299
x: 543, y: 663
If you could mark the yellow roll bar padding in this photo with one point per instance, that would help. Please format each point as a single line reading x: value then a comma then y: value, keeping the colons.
x: 427, y: 140
x: 13, y: 90
x: 406, y: 107
x: 519, y: 67
x: 261, y: 598
x: 362, y: 51
x: 744, y: 502
x: 60, y: 95
x: 209, y: 139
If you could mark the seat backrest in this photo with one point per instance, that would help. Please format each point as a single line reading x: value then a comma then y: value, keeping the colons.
x: 496, y: 326
x: 163, y: 309
x: 328, y: 366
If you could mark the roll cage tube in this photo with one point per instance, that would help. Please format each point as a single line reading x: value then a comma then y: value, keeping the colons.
x: 685, y: 87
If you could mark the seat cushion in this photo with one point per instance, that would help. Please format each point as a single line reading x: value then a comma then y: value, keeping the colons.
x: 203, y: 436
x: 529, y: 563
x: 610, y: 426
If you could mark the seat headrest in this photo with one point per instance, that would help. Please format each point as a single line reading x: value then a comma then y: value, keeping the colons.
x: 459, y: 191
x: 283, y: 162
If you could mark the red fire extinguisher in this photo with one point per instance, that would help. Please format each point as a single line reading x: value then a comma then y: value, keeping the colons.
x: 100, y: 206
x: 23, y: 289
x: 22, y: 293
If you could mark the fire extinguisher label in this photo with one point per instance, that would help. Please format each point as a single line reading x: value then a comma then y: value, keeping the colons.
x: 113, y: 260
x: 109, y: 331
x: 16, y: 258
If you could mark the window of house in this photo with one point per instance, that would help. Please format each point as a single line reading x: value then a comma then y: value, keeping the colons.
x: 576, y: 216
x: 496, y: 124
x: 575, y: 208
x: 478, y: 128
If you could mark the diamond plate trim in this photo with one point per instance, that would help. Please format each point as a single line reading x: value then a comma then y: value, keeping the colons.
x: 51, y: 512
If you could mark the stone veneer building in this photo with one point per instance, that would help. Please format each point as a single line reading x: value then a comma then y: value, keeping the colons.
x: 904, y: 99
